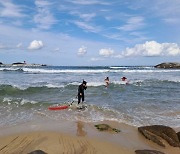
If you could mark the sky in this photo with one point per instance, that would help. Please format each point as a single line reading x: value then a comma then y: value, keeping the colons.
x: 90, y: 32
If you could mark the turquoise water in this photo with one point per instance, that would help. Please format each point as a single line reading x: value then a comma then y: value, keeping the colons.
x: 152, y: 96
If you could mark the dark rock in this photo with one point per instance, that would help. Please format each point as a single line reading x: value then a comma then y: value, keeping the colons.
x: 158, y: 133
x: 168, y: 65
x: 148, y: 152
x: 1, y: 63
x: 37, y: 152
x: 105, y: 127
x: 18, y: 63
x: 178, y: 134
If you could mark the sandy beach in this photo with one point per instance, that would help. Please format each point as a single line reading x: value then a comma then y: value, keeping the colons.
x: 89, y: 77
x: 75, y: 137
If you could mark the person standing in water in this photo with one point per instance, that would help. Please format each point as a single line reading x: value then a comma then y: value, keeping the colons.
x: 81, y: 89
x: 106, y: 81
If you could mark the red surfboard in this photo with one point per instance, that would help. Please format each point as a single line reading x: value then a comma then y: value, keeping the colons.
x: 58, y: 107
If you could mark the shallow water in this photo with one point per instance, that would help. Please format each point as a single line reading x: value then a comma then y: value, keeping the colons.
x: 152, y: 96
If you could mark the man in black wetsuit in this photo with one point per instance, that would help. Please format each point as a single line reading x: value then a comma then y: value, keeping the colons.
x: 81, y: 89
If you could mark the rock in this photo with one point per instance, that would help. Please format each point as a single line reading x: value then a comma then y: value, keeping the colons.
x: 18, y: 63
x: 1, y: 63
x: 168, y: 65
x: 148, y: 152
x: 37, y: 152
x: 159, y: 133
x: 105, y: 127
x: 178, y: 134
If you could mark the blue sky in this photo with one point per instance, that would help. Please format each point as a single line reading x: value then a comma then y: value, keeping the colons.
x: 94, y: 32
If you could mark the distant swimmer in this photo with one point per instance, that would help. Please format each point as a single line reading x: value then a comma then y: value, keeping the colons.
x: 81, y: 89
x: 124, y: 79
x: 106, y: 81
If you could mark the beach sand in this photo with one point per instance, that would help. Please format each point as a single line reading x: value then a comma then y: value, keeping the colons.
x: 74, y: 138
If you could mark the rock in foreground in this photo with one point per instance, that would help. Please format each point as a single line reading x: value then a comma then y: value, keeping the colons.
x: 105, y: 127
x: 178, y: 134
x: 159, y: 133
x: 148, y: 152
x: 37, y: 152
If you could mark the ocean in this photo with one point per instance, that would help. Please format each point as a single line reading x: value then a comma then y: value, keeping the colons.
x: 152, y: 96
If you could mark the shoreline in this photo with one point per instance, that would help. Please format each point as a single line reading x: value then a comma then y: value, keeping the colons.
x: 77, y: 135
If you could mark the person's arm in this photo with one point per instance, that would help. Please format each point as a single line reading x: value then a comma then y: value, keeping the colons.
x: 80, y: 90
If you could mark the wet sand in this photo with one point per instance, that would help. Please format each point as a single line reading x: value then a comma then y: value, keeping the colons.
x: 75, y: 137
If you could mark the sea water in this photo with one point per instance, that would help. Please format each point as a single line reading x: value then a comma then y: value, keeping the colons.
x: 152, y: 96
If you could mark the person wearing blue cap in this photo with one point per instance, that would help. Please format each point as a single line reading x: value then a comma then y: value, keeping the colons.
x: 81, y: 89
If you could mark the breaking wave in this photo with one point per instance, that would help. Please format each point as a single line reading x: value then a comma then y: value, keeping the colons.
x: 58, y: 70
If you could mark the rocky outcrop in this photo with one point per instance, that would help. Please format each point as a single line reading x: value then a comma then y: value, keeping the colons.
x: 159, y: 133
x: 105, y: 127
x: 37, y: 152
x: 168, y: 65
x: 178, y: 134
x: 18, y: 63
x: 148, y: 152
x: 1, y: 63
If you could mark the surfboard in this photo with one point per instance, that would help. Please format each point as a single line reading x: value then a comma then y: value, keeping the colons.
x: 58, y: 107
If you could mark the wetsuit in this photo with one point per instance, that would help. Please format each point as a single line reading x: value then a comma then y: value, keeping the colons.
x: 81, y: 89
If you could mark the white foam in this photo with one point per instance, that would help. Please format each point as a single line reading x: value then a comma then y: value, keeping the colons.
x: 149, y: 71
x: 7, y: 99
x: 95, y: 84
x: 120, y: 82
x: 118, y: 67
x: 35, y: 70
x: 18, y: 101
x: 111, y: 69
x: 25, y: 101
x: 10, y: 69
x: 74, y: 83
x: 49, y: 85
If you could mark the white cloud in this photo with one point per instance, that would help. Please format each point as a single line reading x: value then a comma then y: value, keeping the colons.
x: 87, y: 17
x: 117, y: 37
x: 159, y: 8
x: 44, y: 18
x: 106, y: 52
x: 19, y: 45
x: 133, y: 23
x: 96, y: 59
x: 82, y: 51
x: 172, y: 20
x: 152, y: 48
x: 35, y: 45
x: 86, y: 27
x: 166, y: 7
x: 84, y: 16
x: 10, y: 10
x: 2, y: 46
x: 42, y: 3
x: 91, y: 2
x: 17, y: 23
x: 56, y: 49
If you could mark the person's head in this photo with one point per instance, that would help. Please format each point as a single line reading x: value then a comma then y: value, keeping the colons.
x: 107, y: 78
x: 123, y: 78
x: 84, y: 84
